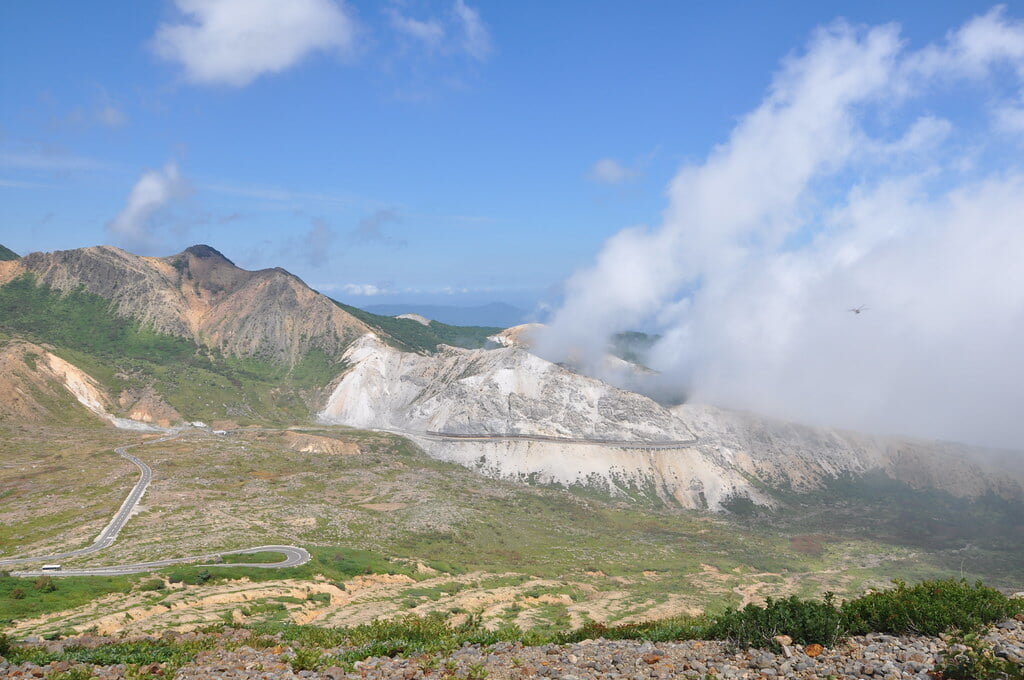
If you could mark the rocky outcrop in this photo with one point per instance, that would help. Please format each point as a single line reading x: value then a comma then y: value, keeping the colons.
x: 146, y: 406
x: 201, y: 295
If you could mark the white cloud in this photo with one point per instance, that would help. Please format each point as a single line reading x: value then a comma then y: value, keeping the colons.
x: 233, y: 42
x: 460, y: 32
x: 476, y: 39
x: 364, y: 289
x: 609, y: 171
x: 809, y: 208
x: 58, y: 162
x: 155, y: 189
x: 430, y: 32
x: 1010, y: 119
x: 111, y: 116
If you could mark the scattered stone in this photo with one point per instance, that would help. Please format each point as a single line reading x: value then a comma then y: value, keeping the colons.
x: 872, y: 657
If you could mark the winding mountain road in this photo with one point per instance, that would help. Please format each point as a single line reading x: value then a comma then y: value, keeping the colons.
x: 294, y: 556
x: 611, y: 443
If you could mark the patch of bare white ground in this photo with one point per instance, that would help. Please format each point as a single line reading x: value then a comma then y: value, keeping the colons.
x: 415, y: 317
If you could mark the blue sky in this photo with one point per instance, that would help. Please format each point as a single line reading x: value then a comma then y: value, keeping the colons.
x: 444, y: 152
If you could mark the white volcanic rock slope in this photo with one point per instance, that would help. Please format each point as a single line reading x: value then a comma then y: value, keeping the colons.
x: 720, y: 454
x: 499, y: 391
x: 510, y: 391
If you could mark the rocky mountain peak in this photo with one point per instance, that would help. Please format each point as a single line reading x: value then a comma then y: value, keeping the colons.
x: 204, y: 251
x: 207, y: 271
x: 201, y: 295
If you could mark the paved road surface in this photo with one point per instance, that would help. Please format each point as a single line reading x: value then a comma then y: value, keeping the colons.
x: 294, y: 556
x: 611, y: 443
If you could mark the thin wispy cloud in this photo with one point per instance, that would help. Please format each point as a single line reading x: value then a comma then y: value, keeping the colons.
x: 846, y: 186
x: 610, y: 171
x: 459, y: 32
x: 55, y: 161
x: 234, y: 42
x: 428, y: 32
x: 372, y: 228
x: 613, y: 172
x: 316, y: 243
x: 288, y: 197
x: 111, y: 116
x: 19, y: 184
x: 362, y: 289
x: 475, y: 38
x: 106, y: 115
x: 377, y: 289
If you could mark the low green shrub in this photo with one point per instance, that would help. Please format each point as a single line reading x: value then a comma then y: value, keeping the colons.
x: 172, y: 654
x: 928, y: 608
x: 663, y: 630
x: 305, y: 659
x: 192, y: 576
x: 45, y: 584
x: 805, y: 621
x: 76, y: 673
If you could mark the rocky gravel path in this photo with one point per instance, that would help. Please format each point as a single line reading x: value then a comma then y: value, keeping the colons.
x: 873, y: 657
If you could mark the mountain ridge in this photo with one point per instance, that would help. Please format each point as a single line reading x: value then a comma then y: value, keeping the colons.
x: 232, y: 345
x: 200, y: 295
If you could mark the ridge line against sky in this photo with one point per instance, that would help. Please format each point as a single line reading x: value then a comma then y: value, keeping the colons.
x: 462, y: 152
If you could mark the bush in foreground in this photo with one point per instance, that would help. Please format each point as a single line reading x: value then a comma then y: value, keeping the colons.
x: 928, y: 608
x: 805, y: 621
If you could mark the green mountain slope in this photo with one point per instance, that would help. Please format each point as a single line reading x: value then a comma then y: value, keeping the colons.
x: 414, y: 336
x: 7, y: 254
x: 199, y: 383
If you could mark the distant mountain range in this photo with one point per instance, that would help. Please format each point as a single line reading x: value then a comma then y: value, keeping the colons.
x: 497, y: 314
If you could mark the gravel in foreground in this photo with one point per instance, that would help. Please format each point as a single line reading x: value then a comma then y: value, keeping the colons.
x: 874, y: 656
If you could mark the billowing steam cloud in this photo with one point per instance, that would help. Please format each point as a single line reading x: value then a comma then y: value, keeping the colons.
x: 871, y: 175
x: 155, y: 189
